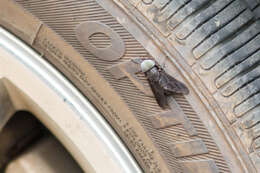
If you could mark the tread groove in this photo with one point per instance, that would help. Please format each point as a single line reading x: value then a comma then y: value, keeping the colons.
x: 229, y: 46
x: 203, y: 17
x: 222, y: 34
x: 239, y: 72
x: 214, y: 24
x: 191, y: 8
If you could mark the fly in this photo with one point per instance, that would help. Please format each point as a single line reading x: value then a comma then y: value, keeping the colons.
x: 161, y: 83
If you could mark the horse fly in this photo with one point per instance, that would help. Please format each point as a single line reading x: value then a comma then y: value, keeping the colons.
x: 161, y: 83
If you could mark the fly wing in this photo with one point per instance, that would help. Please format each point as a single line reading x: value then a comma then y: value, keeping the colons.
x: 159, y: 93
x: 172, y: 85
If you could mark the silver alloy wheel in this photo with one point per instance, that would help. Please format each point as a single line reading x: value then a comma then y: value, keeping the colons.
x: 34, y: 85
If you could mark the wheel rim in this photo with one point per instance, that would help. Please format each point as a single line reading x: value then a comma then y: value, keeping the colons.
x: 35, y: 86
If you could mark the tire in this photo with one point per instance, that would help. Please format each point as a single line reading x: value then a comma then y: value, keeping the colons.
x: 211, y: 46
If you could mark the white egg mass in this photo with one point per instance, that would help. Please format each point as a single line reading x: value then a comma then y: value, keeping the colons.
x: 147, y: 65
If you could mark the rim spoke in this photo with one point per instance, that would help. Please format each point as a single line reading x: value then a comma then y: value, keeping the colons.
x: 6, y: 106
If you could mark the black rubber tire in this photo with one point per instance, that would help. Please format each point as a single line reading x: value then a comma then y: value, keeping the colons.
x: 212, y: 46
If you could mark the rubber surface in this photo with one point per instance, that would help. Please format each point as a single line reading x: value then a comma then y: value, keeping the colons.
x: 213, y: 46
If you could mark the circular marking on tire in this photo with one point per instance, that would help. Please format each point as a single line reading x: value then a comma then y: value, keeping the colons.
x: 111, y: 53
x: 100, y: 40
